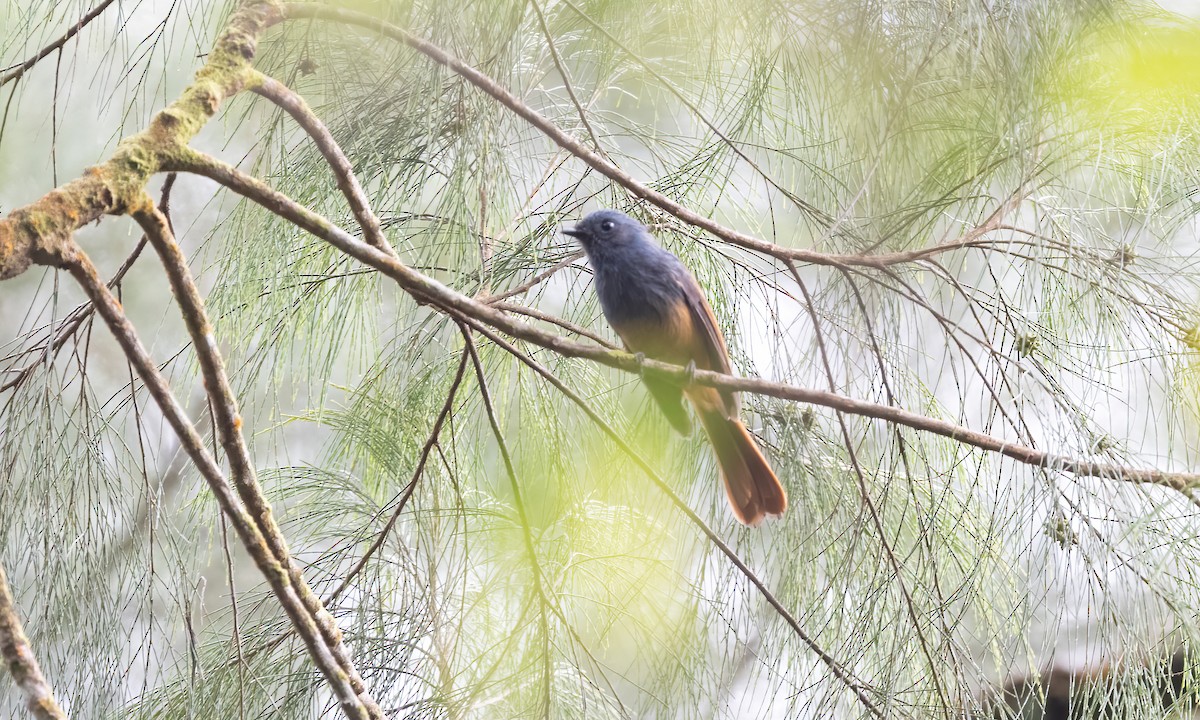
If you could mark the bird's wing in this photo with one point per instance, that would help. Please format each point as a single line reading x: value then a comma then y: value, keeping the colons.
x: 669, y: 397
x: 710, y: 352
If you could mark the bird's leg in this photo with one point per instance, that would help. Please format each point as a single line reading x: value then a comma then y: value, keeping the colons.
x: 640, y: 359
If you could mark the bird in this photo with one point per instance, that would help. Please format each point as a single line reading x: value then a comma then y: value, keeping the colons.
x: 659, y: 311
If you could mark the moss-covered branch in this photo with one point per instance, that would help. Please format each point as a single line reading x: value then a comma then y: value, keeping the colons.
x: 18, y: 656
x: 40, y: 233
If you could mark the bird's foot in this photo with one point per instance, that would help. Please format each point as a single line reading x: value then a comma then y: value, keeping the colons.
x: 640, y: 359
x: 689, y: 373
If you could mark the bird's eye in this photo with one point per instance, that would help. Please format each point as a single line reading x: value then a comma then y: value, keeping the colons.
x: 606, y: 226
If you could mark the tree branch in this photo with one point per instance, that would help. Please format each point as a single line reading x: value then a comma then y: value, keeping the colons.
x: 277, y: 575
x: 412, y: 483
x: 428, y: 290
x: 597, y: 161
x: 42, y: 231
x: 228, y: 423
x: 347, y: 181
x: 18, y: 655
x: 14, y: 73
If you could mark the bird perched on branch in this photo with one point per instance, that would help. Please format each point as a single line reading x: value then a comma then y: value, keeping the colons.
x: 658, y: 309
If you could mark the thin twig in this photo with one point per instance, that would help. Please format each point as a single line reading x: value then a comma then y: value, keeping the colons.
x: 522, y: 515
x: 555, y: 320
x: 15, y: 72
x: 18, y: 656
x: 431, y: 291
x: 410, y: 487
x: 864, y: 493
x: 822, y: 217
x: 235, y: 628
x: 566, y: 78
x: 927, y: 533
x: 535, y: 280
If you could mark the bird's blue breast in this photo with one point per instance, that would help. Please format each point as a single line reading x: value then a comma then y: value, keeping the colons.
x: 636, y: 282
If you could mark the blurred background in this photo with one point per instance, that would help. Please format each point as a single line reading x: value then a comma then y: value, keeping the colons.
x: 933, y: 572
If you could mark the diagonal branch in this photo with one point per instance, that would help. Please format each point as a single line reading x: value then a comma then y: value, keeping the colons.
x: 410, y: 487
x: 277, y: 575
x: 77, y: 317
x: 229, y: 426
x: 347, y: 181
x: 566, y: 77
x: 15, y: 72
x: 428, y: 290
x: 597, y: 161
x: 18, y: 656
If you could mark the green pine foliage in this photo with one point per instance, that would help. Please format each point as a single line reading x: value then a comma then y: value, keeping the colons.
x: 929, y: 570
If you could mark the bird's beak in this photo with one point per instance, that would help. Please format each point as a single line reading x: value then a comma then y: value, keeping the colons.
x: 573, y: 232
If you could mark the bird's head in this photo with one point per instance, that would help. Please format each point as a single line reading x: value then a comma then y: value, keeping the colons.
x: 608, y: 228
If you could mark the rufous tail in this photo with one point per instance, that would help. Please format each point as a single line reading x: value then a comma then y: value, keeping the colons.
x: 753, y: 489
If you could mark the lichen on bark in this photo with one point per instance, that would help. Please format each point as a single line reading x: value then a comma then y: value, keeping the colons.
x: 41, y: 233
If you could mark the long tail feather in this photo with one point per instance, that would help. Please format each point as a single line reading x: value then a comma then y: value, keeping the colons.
x: 753, y: 489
